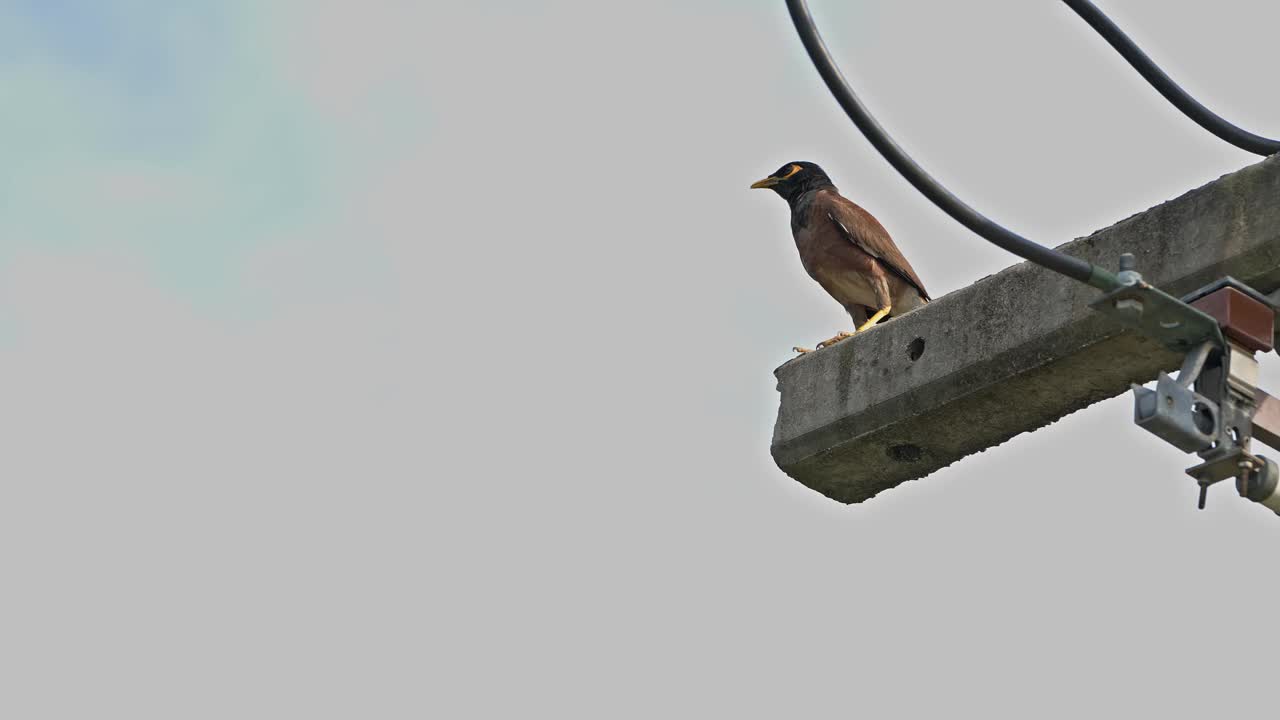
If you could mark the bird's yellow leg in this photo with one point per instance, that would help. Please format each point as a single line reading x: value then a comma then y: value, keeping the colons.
x: 875, y: 318
x: 800, y: 350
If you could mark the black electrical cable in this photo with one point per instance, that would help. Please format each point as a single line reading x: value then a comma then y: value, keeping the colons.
x: 1189, y: 106
x: 1072, y: 267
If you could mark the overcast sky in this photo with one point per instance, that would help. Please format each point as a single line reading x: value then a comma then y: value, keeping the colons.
x: 404, y: 360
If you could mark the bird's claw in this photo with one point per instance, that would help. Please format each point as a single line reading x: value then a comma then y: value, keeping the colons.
x: 842, y: 335
x: 800, y: 350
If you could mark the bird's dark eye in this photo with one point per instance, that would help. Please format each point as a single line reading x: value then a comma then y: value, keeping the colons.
x: 789, y: 170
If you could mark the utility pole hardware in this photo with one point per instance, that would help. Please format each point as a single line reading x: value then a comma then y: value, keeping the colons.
x: 1211, y: 408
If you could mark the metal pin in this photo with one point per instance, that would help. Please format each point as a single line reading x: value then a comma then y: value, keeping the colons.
x: 1204, y: 492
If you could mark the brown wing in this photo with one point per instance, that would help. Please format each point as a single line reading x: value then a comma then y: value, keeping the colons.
x: 863, y: 230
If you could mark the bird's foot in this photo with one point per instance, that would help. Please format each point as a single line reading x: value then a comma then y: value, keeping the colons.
x: 802, y: 351
x: 842, y: 335
x: 874, y: 319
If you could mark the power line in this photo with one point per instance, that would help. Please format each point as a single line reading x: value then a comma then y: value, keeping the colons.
x: 997, y: 234
x: 1171, y: 91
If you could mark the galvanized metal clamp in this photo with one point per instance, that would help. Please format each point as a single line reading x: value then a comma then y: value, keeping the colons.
x: 1214, y: 407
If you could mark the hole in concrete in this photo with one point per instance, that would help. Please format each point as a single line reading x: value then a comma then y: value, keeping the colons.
x: 915, y: 349
x: 905, y: 452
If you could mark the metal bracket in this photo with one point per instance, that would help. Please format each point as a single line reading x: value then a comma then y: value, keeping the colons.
x: 1209, y: 409
x: 1160, y: 316
x: 1231, y: 463
x: 1176, y: 414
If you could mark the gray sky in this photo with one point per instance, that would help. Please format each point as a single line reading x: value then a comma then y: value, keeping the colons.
x: 377, y: 360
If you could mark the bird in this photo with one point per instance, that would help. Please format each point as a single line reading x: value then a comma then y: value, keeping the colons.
x: 845, y: 249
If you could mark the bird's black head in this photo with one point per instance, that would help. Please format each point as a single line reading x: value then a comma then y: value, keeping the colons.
x: 795, y: 179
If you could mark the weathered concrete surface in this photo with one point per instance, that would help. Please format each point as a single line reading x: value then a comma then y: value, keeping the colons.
x: 1014, y: 351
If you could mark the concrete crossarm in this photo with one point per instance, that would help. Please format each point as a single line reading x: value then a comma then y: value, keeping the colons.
x: 1014, y: 351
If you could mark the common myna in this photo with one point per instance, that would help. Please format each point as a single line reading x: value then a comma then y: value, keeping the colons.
x: 845, y: 249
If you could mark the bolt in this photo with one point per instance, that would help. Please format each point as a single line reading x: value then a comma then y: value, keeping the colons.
x: 1130, y: 306
x: 1128, y: 274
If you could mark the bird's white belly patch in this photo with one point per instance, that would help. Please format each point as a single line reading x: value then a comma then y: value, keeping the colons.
x: 853, y: 287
